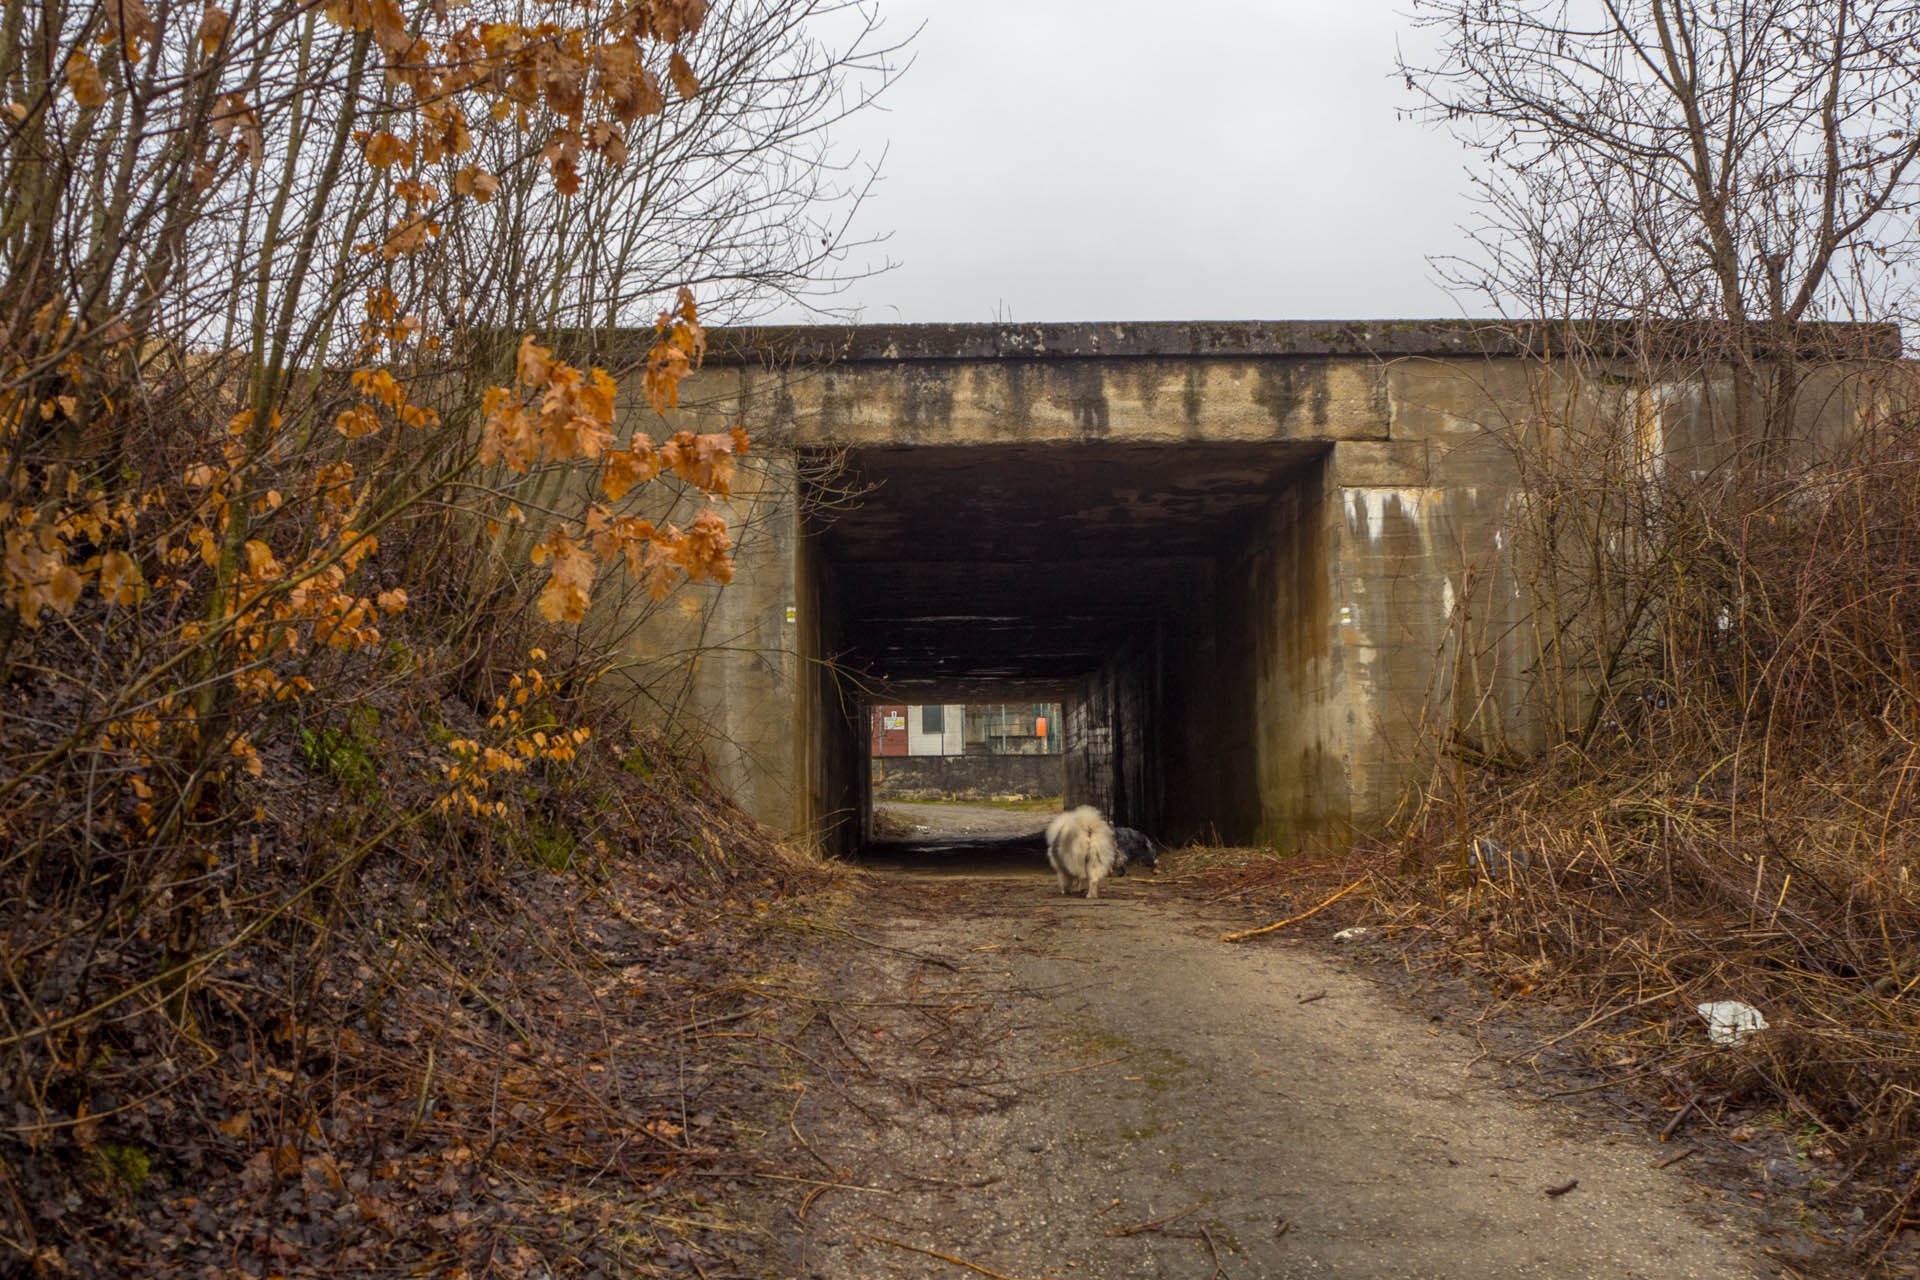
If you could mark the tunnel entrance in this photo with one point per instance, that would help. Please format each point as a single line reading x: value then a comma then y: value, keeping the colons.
x: 1171, y: 598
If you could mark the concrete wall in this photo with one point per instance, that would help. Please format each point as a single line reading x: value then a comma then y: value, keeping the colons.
x: 1283, y: 674
x: 910, y: 777
x: 1110, y: 735
x: 828, y: 726
x: 722, y: 666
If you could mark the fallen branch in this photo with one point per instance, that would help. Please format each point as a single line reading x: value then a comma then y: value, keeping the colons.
x: 817, y: 1182
x: 1156, y: 1224
x: 1673, y: 1159
x: 949, y: 1182
x: 887, y: 946
x: 1678, y: 1116
x: 1218, y: 1270
x: 944, y: 1257
x: 1281, y: 924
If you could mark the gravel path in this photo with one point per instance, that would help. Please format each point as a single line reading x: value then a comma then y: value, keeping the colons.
x: 1035, y: 1086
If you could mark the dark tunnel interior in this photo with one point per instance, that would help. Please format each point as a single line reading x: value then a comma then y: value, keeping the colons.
x: 1164, y: 594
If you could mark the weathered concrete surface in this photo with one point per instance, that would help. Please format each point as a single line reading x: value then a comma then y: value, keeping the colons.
x: 709, y: 661
x: 1241, y: 554
x: 1136, y: 1070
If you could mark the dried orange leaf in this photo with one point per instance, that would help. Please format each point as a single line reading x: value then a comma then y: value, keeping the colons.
x: 63, y: 589
x: 384, y: 149
x: 120, y: 581
x: 213, y: 27
x: 533, y: 363
x: 83, y: 77
x: 681, y: 72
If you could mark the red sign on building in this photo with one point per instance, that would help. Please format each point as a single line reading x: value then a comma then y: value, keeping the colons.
x: 889, y: 731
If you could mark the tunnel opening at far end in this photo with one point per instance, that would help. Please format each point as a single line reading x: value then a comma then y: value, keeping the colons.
x: 1172, y: 601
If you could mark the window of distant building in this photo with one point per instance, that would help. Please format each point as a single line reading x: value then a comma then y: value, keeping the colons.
x: 933, y: 719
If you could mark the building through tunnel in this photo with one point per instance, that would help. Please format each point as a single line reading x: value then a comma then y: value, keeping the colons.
x: 1167, y: 597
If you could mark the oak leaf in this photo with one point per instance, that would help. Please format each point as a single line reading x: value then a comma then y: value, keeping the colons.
x: 356, y: 422
x: 384, y: 149
x: 533, y: 363
x: 624, y: 468
x: 507, y: 433
x: 83, y: 77
x: 131, y: 22
x: 63, y: 589
x: 214, y: 22
x: 704, y: 549
x: 407, y: 237
x: 681, y: 71
x: 472, y: 180
x: 566, y: 595
x: 119, y: 580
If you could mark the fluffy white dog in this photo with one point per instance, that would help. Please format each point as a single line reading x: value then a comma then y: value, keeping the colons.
x: 1080, y: 846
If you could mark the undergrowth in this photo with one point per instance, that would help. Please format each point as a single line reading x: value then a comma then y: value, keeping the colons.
x: 421, y: 1038
x: 1739, y: 822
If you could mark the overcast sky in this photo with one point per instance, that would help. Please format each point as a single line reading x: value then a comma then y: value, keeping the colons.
x: 1147, y: 160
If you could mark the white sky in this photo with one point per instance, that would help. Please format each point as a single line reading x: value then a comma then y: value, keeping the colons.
x: 1154, y: 160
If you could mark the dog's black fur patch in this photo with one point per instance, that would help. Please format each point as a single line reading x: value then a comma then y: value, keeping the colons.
x: 1134, y: 846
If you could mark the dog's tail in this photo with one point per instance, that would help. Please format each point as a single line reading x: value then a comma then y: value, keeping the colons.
x: 1094, y: 835
x: 1061, y: 821
x: 1086, y: 818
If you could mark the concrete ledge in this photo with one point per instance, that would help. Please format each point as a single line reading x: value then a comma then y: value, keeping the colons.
x: 1362, y: 339
x: 1229, y: 339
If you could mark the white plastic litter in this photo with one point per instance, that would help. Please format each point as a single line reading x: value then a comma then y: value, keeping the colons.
x: 1354, y: 934
x: 1730, y: 1021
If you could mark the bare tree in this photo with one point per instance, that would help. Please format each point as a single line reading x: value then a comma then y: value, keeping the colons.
x: 286, y: 430
x: 1724, y: 169
x: 1709, y: 548
x: 1688, y: 193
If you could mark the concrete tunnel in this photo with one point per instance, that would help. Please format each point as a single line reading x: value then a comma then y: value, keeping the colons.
x: 1172, y: 596
x: 1237, y: 552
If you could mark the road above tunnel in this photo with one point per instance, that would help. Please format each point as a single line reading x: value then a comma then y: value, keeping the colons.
x: 1011, y: 1083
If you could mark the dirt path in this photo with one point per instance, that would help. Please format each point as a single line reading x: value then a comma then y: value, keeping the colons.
x: 1037, y: 1086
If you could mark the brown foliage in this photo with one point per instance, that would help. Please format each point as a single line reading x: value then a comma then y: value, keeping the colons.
x: 288, y: 528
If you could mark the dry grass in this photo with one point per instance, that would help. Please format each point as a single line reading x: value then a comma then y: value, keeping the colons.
x: 1739, y: 822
